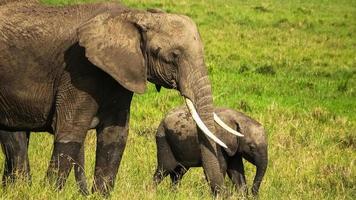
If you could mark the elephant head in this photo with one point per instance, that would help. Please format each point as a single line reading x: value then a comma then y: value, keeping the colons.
x: 253, y: 147
x: 165, y: 49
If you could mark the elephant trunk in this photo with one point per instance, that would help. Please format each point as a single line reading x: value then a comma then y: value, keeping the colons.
x: 201, y: 96
x: 261, y: 167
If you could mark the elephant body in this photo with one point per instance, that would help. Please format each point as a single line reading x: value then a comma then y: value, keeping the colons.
x: 38, y: 46
x: 64, y: 68
x: 178, y: 149
x: 58, y: 90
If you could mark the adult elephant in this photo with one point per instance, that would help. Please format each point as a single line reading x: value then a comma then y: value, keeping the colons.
x: 62, y: 67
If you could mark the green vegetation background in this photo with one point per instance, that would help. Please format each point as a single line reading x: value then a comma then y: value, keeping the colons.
x: 289, y: 64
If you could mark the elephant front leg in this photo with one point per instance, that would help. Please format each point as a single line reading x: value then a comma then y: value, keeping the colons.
x: 64, y: 156
x: 111, y: 142
x: 15, y: 145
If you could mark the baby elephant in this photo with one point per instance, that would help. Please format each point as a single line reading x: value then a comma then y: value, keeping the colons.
x: 178, y: 147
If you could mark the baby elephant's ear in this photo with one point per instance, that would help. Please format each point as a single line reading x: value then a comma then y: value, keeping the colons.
x: 113, y: 45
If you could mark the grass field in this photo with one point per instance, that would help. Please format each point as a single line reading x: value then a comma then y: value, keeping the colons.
x: 289, y: 64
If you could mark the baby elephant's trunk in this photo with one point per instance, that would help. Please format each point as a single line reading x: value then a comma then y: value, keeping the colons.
x: 261, y: 166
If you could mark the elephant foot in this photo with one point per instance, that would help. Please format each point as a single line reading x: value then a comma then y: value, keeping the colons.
x: 104, y: 175
x: 254, y: 191
x: 108, y: 157
x: 159, y: 175
x: 15, y: 178
x: 103, y: 186
x: 81, y: 180
x: 79, y: 173
x: 177, y: 175
x: 243, y: 190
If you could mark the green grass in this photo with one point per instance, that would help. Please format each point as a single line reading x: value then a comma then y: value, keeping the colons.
x: 289, y: 64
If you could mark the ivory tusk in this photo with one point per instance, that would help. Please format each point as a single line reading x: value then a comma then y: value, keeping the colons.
x: 225, y: 126
x: 201, y: 124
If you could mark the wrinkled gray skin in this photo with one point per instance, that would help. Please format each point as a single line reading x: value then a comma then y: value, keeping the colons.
x: 178, y: 147
x: 62, y: 66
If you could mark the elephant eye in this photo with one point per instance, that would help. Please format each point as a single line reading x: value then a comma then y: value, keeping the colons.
x: 252, y: 147
x: 175, y: 53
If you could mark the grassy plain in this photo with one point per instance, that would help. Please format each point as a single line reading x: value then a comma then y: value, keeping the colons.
x: 289, y: 64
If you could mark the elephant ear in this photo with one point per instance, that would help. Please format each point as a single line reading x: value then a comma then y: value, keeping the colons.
x: 229, y: 139
x: 113, y: 45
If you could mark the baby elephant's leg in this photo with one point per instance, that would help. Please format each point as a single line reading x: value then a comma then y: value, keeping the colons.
x: 236, y: 173
x: 166, y: 161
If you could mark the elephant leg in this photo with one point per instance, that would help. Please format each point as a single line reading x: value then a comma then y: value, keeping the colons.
x: 74, y: 112
x: 166, y: 161
x: 16, y: 165
x: 111, y: 143
x: 64, y: 156
x: 177, y: 174
x: 236, y: 173
x: 79, y: 172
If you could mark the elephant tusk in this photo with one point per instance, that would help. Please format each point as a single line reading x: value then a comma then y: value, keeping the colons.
x: 225, y: 126
x: 201, y: 124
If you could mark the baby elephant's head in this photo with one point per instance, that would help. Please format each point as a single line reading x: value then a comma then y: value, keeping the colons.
x: 253, y: 147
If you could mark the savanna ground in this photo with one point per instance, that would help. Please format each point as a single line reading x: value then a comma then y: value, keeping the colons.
x: 289, y: 64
